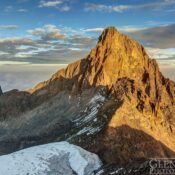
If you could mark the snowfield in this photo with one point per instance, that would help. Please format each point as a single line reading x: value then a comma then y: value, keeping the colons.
x: 60, y: 158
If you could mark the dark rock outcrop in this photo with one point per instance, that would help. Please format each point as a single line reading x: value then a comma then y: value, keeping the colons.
x: 1, y: 91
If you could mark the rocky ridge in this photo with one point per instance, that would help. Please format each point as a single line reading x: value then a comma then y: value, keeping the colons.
x: 120, y: 61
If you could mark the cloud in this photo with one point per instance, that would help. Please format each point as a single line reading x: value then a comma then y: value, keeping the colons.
x: 64, y: 8
x: 3, y: 53
x: 82, y: 42
x: 159, y: 37
x: 25, y: 54
x: 12, y: 48
x: 8, y: 9
x: 105, y: 8
x: 47, y: 32
x: 161, y: 54
x: 50, y: 3
x: 9, y: 27
x: 154, y: 5
x: 47, y: 44
x: 22, y: 10
x: 168, y: 71
x: 13, y: 63
x: 28, y: 74
x: 16, y: 41
x: 57, y: 4
x: 98, y: 30
x: 130, y: 29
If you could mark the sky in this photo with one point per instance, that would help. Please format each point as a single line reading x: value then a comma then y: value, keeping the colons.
x: 36, y: 33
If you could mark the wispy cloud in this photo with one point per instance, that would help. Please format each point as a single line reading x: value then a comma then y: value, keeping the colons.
x: 154, y: 5
x: 159, y: 37
x: 98, y: 30
x: 57, y: 4
x: 161, y: 54
x: 22, y: 10
x: 16, y: 40
x: 3, y: 53
x: 105, y: 8
x: 48, y: 32
x: 50, y: 3
x: 13, y: 63
x: 10, y: 48
x: 47, y: 44
x: 82, y: 41
x: 64, y: 8
x: 130, y: 29
x: 9, y: 27
x: 8, y: 9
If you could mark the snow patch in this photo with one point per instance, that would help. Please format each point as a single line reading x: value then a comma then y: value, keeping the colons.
x: 89, y: 130
x: 117, y: 171
x: 96, y: 99
x: 89, y: 116
x: 91, y: 110
x: 39, y: 160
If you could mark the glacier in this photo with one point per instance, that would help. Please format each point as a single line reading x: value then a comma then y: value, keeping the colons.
x: 59, y: 158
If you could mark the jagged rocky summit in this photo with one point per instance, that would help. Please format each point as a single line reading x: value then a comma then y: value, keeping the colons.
x: 115, y: 102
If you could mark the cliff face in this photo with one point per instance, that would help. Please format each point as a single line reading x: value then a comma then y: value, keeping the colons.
x: 133, y: 94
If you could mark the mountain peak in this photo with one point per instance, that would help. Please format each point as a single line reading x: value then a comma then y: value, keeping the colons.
x: 115, y: 56
x: 111, y: 39
x: 111, y: 29
x: 108, y: 32
x: 109, y: 35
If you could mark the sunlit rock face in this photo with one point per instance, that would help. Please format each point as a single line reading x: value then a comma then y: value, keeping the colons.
x: 94, y: 101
